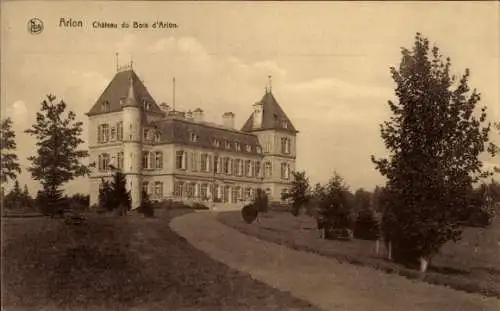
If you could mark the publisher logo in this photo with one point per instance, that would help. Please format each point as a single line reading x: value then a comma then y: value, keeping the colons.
x: 35, y: 26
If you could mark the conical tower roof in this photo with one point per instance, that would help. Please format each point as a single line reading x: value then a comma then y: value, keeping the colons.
x: 125, y: 89
x: 273, y: 116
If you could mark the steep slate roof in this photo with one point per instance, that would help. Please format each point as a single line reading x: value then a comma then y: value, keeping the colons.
x: 179, y: 131
x: 118, y: 88
x: 272, y: 116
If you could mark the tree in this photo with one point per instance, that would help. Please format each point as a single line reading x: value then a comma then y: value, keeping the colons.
x: 434, y: 140
x: 146, y: 207
x: 261, y: 201
x: 335, y: 205
x: 14, y: 199
x: 114, y: 196
x: 9, y: 160
x: 58, y: 158
x: 299, y: 193
x: 362, y: 200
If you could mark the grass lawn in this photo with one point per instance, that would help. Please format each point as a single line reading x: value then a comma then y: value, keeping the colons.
x: 459, y: 265
x: 127, y: 263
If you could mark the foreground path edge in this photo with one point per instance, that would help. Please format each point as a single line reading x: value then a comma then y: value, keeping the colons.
x: 321, y: 281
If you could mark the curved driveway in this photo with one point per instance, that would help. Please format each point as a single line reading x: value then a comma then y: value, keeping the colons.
x: 321, y: 281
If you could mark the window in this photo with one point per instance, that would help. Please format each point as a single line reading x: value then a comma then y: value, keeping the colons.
x: 204, y: 191
x: 194, y: 161
x: 103, y: 162
x: 204, y: 162
x: 257, y: 169
x: 230, y: 167
x: 258, y: 149
x: 103, y: 133
x: 145, y: 187
x: 119, y: 159
x: 157, y: 136
x: 227, y: 144
x: 194, y: 137
x: 267, y: 147
x: 267, y: 169
x: 218, y: 164
x: 113, y: 133
x: 105, y: 106
x: 180, y: 160
x: 284, y: 124
x: 239, y: 167
x: 145, y: 160
x: 178, y: 189
x: 248, y: 168
x: 158, y: 188
x: 146, y: 105
x: 234, y: 194
x: 248, y: 148
x: 226, y: 166
x: 248, y: 194
x: 285, y: 145
x: 237, y: 146
x: 145, y: 134
x: 285, y: 170
x: 190, y: 190
x: 216, y: 143
x: 159, y: 160
x: 119, y: 131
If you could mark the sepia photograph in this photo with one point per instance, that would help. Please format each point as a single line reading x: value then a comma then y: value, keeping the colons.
x: 250, y: 156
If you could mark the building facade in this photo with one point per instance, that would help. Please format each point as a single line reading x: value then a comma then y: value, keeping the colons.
x: 178, y: 155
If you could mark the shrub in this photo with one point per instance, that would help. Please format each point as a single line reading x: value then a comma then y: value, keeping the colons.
x: 146, y: 207
x: 367, y: 226
x: 249, y: 213
x: 200, y: 206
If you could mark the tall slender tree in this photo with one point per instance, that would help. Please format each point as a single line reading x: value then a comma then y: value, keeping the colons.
x: 299, y: 193
x: 434, y: 139
x: 57, y: 160
x: 9, y: 160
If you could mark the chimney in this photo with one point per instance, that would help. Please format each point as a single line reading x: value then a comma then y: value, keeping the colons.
x: 257, y: 115
x: 228, y: 120
x: 165, y: 107
x: 198, y: 115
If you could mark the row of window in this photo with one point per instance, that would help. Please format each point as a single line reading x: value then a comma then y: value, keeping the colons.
x: 208, y: 192
x: 199, y: 162
x: 225, y: 165
x: 105, y: 133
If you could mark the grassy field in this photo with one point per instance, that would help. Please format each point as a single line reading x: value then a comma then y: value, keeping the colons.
x: 128, y: 263
x: 471, y: 265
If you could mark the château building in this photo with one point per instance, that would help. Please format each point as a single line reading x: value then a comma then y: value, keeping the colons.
x: 178, y: 155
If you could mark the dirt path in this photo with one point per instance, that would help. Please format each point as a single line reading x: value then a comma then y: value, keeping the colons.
x: 324, y: 282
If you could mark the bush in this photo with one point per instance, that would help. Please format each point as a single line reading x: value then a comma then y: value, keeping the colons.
x: 367, y: 226
x: 200, y: 206
x: 249, y: 213
x: 146, y: 207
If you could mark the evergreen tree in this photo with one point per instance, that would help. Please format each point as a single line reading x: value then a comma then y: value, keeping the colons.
x: 58, y: 158
x: 362, y: 200
x: 299, y: 193
x: 10, y: 166
x: 335, y: 205
x: 146, y: 207
x: 121, y: 195
x: 434, y: 140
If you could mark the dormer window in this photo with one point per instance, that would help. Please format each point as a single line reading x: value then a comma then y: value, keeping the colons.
x: 237, y: 146
x: 157, y: 136
x: 248, y: 148
x: 194, y: 137
x: 216, y: 143
x: 105, y: 106
x: 227, y: 144
x: 147, y: 105
x: 284, y: 124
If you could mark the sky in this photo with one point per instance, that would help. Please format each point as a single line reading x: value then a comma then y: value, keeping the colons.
x: 329, y: 63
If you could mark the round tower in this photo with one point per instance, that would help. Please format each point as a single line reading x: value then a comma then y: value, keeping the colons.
x: 132, y: 147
